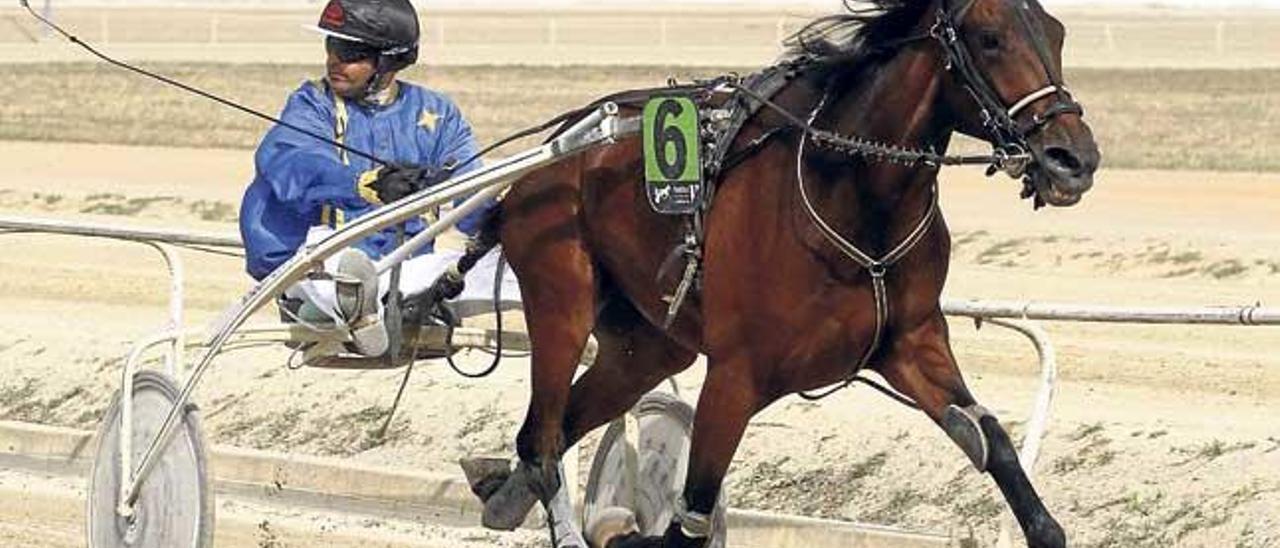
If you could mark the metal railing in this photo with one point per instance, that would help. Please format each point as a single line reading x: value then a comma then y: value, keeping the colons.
x: 1021, y: 317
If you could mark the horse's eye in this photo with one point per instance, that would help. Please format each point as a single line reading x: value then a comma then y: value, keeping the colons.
x: 989, y: 41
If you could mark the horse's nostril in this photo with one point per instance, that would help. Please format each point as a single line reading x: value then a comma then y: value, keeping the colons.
x: 1063, y: 160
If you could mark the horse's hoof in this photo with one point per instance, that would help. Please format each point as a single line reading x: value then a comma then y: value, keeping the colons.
x: 507, y: 508
x: 610, y: 523
x: 486, y: 475
x: 634, y: 540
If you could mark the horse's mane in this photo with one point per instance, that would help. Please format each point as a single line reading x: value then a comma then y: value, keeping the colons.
x: 862, y: 35
x: 852, y: 41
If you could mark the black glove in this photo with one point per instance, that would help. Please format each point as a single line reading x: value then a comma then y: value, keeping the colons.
x: 392, y: 182
x: 431, y: 177
x: 389, y: 183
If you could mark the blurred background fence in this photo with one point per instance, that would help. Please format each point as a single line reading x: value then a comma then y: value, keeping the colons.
x: 694, y: 36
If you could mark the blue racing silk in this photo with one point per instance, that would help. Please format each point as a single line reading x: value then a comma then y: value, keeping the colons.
x: 301, y: 182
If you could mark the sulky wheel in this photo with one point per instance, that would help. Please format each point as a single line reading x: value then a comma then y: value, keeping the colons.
x: 661, y: 458
x: 175, y: 506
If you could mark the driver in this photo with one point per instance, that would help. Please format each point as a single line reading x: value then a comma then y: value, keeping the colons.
x: 305, y: 189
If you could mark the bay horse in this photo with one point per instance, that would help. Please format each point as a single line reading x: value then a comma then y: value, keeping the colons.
x: 817, y: 261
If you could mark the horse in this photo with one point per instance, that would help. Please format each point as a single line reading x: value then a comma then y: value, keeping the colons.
x: 824, y: 250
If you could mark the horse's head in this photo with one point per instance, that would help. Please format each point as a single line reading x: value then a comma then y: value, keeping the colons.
x: 1006, y: 86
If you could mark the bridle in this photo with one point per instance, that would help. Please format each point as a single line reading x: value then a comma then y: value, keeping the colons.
x: 1008, y: 137
x: 1006, y: 132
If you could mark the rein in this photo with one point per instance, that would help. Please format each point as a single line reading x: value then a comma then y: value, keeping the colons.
x: 199, y: 92
x: 853, y: 145
x: 1011, y: 153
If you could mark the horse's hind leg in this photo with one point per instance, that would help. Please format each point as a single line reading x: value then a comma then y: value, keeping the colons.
x: 634, y: 357
x: 558, y: 288
x: 728, y: 400
x: 922, y: 366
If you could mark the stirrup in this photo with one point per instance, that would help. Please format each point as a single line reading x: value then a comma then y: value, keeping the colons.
x: 356, y: 286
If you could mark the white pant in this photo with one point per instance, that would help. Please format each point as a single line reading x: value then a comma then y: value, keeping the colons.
x: 416, y: 275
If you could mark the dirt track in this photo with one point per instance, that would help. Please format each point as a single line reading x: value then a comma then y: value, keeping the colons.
x: 47, y: 511
x: 1162, y: 436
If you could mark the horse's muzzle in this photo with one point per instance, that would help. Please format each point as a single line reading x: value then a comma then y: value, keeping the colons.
x: 1065, y: 165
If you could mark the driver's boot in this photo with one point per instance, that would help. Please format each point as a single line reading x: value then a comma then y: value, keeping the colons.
x: 356, y: 284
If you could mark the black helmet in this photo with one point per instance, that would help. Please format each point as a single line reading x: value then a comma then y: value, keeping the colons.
x: 388, y: 26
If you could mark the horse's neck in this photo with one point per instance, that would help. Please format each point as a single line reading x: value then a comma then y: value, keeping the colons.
x: 896, y: 103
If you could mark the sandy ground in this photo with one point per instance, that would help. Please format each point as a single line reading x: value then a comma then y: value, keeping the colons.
x: 1162, y: 436
x: 46, y: 509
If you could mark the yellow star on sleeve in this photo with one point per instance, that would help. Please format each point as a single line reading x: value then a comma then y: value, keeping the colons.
x: 428, y: 120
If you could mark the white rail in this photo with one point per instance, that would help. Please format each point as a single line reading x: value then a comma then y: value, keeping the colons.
x: 1251, y: 315
x: 1017, y: 315
x: 75, y: 228
x: 161, y: 241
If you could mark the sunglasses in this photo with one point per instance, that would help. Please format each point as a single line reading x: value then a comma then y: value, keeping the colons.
x: 348, y: 51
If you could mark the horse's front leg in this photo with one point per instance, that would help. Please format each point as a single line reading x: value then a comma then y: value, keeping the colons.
x: 921, y: 365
